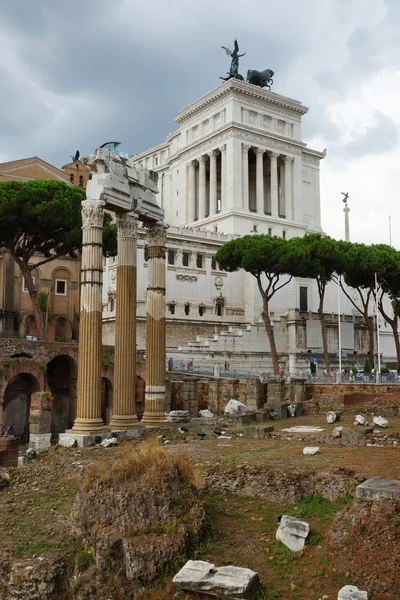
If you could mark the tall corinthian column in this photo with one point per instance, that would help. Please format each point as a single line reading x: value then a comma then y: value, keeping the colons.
x: 245, y: 175
x: 88, y: 413
x: 288, y: 187
x: 192, y: 192
x: 124, y: 407
x: 223, y: 176
x: 202, y: 187
x: 274, y: 184
x: 154, y: 409
x: 260, y: 181
x: 213, y: 182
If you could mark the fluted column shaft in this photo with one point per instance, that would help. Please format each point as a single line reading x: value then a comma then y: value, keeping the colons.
x: 202, y: 187
x: 288, y: 187
x: 155, y: 327
x: 88, y: 413
x: 274, y: 184
x: 245, y: 176
x: 124, y: 405
x: 192, y: 192
x: 213, y: 182
x: 223, y: 176
x: 259, y: 181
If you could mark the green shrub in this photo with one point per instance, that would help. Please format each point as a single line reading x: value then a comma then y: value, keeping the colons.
x: 367, y: 366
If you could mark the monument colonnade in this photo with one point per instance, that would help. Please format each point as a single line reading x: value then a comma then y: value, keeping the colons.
x: 209, y: 202
x: 88, y: 419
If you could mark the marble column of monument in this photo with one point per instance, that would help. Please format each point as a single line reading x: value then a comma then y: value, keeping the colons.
x: 154, y: 409
x: 222, y: 149
x: 192, y: 192
x: 124, y: 406
x: 260, y: 181
x: 274, y: 184
x: 245, y: 175
x: 213, y: 182
x: 288, y: 187
x: 88, y: 414
x: 202, y: 187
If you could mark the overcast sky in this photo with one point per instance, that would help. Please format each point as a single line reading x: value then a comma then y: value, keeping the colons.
x: 75, y: 74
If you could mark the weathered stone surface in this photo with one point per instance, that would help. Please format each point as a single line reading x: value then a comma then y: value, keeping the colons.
x: 37, y: 580
x: 206, y: 414
x: 380, y: 421
x: 337, y: 432
x: 361, y: 420
x: 109, y: 442
x: 311, y: 450
x: 67, y: 442
x: 234, y: 406
x: 354, y: 437
x: 31, y: 453
x: 292, y: 532
x: 229, y: 582
x: 351, y: 592
x: 178, y: 416
x: 377, y: 488
x: 332, y: 416
x: 4, y: 478
x: 257, y: 432
x: 292, y: 410
x: 39, y: 442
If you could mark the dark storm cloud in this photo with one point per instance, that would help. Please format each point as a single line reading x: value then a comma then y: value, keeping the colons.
x: 381, y: 137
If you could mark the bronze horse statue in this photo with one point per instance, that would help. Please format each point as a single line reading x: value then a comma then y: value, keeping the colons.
x: 260, y: 78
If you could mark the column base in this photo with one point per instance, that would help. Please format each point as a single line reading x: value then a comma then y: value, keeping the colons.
x: 87, y: 426
x: 154, y: 405
x: 123, y: 422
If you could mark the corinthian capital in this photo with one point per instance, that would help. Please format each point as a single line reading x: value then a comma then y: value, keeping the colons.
x: 92, y: 213
x: 157, y: 234
x: 127, y: 225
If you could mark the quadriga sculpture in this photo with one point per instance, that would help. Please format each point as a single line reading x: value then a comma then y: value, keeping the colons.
x: 260, y: 78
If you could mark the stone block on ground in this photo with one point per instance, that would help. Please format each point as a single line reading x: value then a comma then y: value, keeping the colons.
x: 311, y: 450
x: 262, y: 415
x: 354, y: 437
x: 351, y: 592
x: 257, y: 432
x: 381, y: 421
x: 292, y: 532
x: 234, y: 407
x: 40, y: 442
x: 178, y: 416
x: 361, y: 420
x: 337, y: 432
x: 378, y: 489
x: 206, y: 414
x: 67, y: 442
x: 4, y: 478
x: 199, y: 576
x: 332, y: 416
x: 109, y: 442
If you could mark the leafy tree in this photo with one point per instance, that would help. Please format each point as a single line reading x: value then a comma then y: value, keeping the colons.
x: 320, y: 258
x: 43, y: 218
x: 269, y: 260
x: 388, y: 276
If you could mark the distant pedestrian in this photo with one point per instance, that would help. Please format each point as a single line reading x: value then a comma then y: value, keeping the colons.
x: 309, y: 372
x: 281, y: 372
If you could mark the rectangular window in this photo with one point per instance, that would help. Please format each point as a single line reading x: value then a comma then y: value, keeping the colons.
x: 284, y: 234
x: 213, y: 263
x: 303, y: 299
x: 269, y: 230
x: 24, y: 286
x: 201, y: 310
x: 185, y: 259
x: 171, y: 308
x: 219, y: 309
x: 187, y: 309
x: 199, y: 261
x: 146, y: 254
x: 61, y: 287
x: 171, y: 257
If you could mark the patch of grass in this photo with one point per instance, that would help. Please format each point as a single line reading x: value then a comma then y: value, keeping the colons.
x: 83, y: 560
x: 33, y: 547
x: 315, y: 505
x: 318, y: 573
x: 283, y: 558
x: 314, y: 539
x: 53, y: 505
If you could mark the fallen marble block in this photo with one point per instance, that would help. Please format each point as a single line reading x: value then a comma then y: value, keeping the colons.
x: 31, y: 453
x: 337, y: 432
x: 229, y: 582
x: 234, y: 406
x: 332, y: 416
x: 67, y: 442
x: 292, y: 532
x: 292, y: 410
x: 206, y: 414
x: 360, y: 420
x: 351, y: 592
x: 109, y: 442
x: 311, y: 450
x: 178, y: 416
x: 381, y: 421
x: 22, y: 460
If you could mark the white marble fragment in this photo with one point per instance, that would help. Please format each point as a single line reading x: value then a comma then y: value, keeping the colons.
x: 229, y: 582
x: 311, y: 450
x: 206, y: 414
x: 332, y: 416
x: 178, y: 416
x: 381, y: 421
x: 292, y: 532
x: 351, y: 592
x: 360, y: 420
x: 109, y: 442
x: 234, y: 407
x: 67, y: 442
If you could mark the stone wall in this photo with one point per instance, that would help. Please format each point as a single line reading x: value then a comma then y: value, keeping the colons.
x: 353, y: 398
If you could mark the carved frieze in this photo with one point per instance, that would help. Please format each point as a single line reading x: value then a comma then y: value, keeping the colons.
x: 188, y: 278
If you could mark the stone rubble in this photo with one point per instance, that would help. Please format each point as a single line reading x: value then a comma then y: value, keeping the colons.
x: 351, y: 592
x: 380, y: 421
x: 311, y: 450
x: 67, y: 442
x: 360, y: 420
x: 109, y: 442
x: 178, y: 416
x: 206, y: 414
x: 230, y: 582
x: 332, y: 416
x: 292, y: 532
x: 337, y: 432
x: 234, y: 407
x: 4, y: 478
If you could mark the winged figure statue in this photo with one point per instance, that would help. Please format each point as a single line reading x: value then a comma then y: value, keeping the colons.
x: 234, y: 54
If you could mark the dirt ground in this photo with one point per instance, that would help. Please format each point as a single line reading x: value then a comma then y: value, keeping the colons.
x: 345, y: 546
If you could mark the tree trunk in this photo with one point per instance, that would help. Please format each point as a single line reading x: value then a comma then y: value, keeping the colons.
x: 33, y: 293
x: 396, y: 341
x: 270, y: 333
x: 324, y: 336
x: 370, y: 325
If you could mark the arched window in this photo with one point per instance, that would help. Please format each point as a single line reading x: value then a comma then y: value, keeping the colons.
x: 72, y: 179
x: 80, y: 180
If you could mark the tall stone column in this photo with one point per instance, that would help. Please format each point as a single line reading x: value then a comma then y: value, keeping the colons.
x: 124, y: 407
x: 88, y: 414
x: 288, y: 187
x: 155, y: 327
x: 213, y: 182
x: 223, y: 176
x: 274, y: 184
x: 192, y: 192
x: 245, y: 175
x: 259, y: 181
x: 202, y: 187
